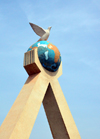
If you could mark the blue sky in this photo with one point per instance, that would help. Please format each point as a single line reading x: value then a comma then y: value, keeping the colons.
x: 76, y: 33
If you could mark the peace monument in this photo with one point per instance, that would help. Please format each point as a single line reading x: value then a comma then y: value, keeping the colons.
x: 42, y: 62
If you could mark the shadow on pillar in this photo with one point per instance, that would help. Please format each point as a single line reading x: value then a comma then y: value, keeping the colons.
x: 54, y: 117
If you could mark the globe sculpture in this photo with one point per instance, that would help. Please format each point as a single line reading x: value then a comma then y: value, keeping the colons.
x: 48, y: 54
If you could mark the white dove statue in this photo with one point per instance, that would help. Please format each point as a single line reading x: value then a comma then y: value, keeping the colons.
x: 43, y: 33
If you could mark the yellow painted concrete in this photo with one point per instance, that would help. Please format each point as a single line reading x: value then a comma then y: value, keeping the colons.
x: 41, y: 86
x: 54, y: 117
x: 21, y: 117
x: 64, y: 110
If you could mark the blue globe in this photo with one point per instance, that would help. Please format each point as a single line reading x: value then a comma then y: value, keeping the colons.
x: 48, y: 54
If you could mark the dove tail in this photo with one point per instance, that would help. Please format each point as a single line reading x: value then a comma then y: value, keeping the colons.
x: 39, y: 40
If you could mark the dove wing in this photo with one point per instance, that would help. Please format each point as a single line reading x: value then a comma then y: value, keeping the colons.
x: 38, y: 30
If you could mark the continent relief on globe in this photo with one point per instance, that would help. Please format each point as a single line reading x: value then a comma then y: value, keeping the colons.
x: 48, y: 54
